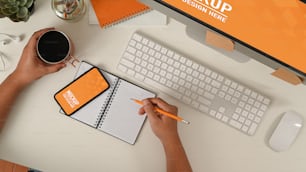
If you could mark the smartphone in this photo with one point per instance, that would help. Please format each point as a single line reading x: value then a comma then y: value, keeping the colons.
x: 81, y: 91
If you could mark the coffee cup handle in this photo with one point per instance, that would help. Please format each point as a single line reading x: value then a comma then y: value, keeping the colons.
x: 73, y: 60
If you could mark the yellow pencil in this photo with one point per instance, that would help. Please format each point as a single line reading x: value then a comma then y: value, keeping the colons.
x: 164, y: 112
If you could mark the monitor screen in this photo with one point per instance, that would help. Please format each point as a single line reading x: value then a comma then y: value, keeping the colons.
x: 275, y: 28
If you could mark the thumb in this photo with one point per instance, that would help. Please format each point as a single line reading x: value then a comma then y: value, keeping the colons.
x: 56, y: 67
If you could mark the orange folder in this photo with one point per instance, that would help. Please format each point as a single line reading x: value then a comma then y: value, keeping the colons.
x: 6, y: 166
x: 110, y: 12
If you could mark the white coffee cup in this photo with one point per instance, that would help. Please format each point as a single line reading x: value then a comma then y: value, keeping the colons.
x: 54, y: 47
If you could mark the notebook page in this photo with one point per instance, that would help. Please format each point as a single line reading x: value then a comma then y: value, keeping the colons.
x: 91, y: 113
x: 121, y: 118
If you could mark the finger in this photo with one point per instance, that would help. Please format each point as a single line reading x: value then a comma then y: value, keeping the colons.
x: 42, y: 31
x: 148, y: 106
x: 37, y: 34
x: 164, y: 105
x: 55, y: 67
x: 141, y: 111
x: 158, y: 101
x: 149, y: 109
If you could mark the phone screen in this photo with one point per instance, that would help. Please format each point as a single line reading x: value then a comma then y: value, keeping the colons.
x: 81, y: 91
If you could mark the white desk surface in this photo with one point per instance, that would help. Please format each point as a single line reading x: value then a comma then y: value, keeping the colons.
x: 36, y: 135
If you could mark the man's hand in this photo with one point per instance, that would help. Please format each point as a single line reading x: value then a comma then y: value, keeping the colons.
x: 164, y: 128
x: 30, y: 67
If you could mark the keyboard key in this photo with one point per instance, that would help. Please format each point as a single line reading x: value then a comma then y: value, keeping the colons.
x: 138, y: 46
x: 235, y: 116
x: 235, y: 124
x: 131, y: 50
x: 122, y: 68
x: 219, y: 115
x: 209, y: 96
x: 212, y: 113
x: 157, y: 47
x: 131, y: 72
x: 252, y: 129
x: 204, y: 101
x: 151, y: 44
x: 132, y: 43
x: 225, y: 119
x: 247, y: 122
x: 203, y: 108
x: 145, y: 41
x: 244, y: 128
x: 139, y: 77
x: 195, y: 66
x: 195, y: 104
x: 137, y: 37
x: 127, y: 63
x: 183, y: 60
x: 201, y: 69
x: 176, y: 56
x: 129, y: 56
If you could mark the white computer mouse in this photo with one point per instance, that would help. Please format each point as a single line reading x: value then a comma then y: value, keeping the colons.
x: 286, y: 131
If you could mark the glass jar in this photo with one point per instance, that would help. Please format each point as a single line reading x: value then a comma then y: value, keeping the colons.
x: 69, y: 9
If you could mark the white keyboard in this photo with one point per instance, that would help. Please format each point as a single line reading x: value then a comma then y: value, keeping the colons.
x: 194, y: 84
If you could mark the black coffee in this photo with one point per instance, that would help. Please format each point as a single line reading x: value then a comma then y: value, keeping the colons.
x: 53, y: 46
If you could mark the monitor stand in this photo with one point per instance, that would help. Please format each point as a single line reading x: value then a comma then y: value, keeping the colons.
x: 199, y: 34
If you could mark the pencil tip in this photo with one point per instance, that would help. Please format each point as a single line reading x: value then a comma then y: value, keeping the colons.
x: 186, y: 122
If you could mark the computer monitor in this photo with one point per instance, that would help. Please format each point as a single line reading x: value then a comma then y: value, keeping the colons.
x: 273, y: 32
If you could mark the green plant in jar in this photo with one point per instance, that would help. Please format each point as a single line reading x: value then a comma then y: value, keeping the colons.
x: 16, y: 10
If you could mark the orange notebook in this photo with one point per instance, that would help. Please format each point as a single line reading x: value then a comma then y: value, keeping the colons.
x: 110, y: 12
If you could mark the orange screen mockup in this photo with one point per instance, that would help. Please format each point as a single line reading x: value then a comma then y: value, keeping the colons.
x: 81, y: 91
x: 276, y: 28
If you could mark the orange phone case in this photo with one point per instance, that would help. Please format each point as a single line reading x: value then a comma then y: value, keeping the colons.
x: 81, y: 91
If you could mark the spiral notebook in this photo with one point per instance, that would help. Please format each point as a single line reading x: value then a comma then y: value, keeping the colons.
x: 150, y: 18
x: 110, y: 12
x: 113, y: 112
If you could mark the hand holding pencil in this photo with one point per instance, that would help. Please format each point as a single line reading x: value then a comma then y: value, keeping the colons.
x: 163, y: 112
x: 164, y: 127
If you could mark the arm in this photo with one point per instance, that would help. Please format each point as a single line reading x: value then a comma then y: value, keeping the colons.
x: 9, y: 90
x: 165, y: 129
x: 29, y: 69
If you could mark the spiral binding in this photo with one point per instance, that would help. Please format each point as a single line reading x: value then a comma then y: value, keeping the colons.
x: 103, y: 112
